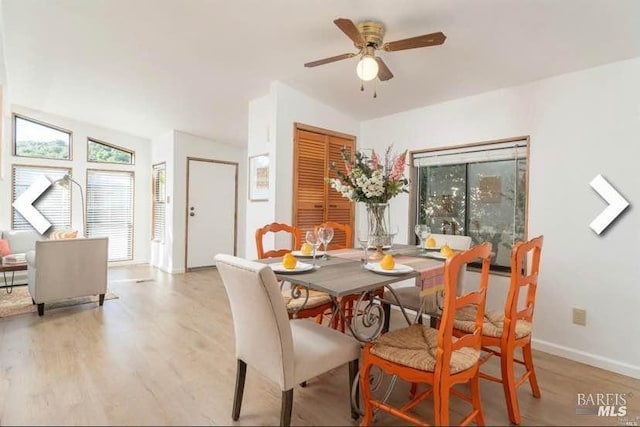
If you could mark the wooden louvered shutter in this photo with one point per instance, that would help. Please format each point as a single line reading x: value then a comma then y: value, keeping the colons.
x: 314, y: 201
x: 339, y: 209
x: 309, y: 185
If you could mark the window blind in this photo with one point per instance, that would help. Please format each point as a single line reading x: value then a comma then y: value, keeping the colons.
x: 110, y: 210
x: 472, y: 154
x: 55, y: 204
x: 159, y: 200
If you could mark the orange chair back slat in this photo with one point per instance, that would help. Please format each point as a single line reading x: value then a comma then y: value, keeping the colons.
x: 276, y: 227
x: 520, y: 279
x: 452, y: 270
x: 342, y: 235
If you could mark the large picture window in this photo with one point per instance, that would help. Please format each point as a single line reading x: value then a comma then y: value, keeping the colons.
x: 110, y: 210
x: 478, y: 191
x: 32, y: 138
x: 55, y: 204
x: 159, y: 201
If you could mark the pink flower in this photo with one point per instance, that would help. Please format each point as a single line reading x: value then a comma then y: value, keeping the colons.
x: 347, y: 168
x: 374, y: 160
x: 398, y: 167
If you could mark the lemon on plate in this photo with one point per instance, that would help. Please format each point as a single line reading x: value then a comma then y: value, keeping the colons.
x: 446, y: 251
x: 387, y: 262
x: 306, y: 249
x: 430, y: 243
x: 289, y: 261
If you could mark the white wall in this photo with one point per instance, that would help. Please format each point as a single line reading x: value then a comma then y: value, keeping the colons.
x: 581, y: 124
x: 261, y: 133
x: 79, y: 165
x: 187, y: 145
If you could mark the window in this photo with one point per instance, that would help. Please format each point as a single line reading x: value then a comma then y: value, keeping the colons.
x: 477, y: 191
x: 110, y: 210
x: 101, y: 152
x: 55, y: 204
x: 159, y: 200
x: 36, y: 139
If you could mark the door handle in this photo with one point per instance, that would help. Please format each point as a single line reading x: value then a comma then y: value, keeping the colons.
x: 192, y: 214
x: 317, y: 206
x: 333, y: 206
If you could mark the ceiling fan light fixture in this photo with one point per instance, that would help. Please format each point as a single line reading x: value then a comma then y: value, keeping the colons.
x: 367, y: 68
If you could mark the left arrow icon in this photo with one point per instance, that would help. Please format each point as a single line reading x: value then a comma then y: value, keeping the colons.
x: 24, y: 204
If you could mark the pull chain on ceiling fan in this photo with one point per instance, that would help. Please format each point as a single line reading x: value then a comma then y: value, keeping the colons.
x: 368, y: 37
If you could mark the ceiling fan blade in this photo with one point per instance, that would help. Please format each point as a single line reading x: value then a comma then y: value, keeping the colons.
x: 349, y: 28
x: 425, y: 40
x: 384, y: 73
x: 328, y: 60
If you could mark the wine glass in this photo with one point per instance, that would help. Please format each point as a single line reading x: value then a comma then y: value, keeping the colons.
x: 312, y: 238
x: 325, y: 234
x: 363, y: 239
x: 422, y: 231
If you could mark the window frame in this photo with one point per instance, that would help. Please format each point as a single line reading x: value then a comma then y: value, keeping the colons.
x: 14, y: 148
x: 133, y: 206
x: 414, y: 176
x: 11, y: 189
x: 117, y: 147
x: 154, y: 167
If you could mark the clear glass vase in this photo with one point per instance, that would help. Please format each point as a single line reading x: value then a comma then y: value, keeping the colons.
x: 378, y: 220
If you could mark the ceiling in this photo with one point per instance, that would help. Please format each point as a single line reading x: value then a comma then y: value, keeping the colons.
x: 149, y: 66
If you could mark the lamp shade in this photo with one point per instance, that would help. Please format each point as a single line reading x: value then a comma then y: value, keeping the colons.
x: 367, y: 68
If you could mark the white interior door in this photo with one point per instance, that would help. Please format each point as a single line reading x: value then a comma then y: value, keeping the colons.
x: 211, y: 211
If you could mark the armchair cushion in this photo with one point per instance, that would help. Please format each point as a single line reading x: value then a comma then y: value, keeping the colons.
x: 21, y: 241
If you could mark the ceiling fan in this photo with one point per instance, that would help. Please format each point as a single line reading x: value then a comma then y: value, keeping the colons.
x: 368, y: 38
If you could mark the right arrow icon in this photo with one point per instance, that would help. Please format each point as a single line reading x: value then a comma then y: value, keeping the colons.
x: 617, y: 204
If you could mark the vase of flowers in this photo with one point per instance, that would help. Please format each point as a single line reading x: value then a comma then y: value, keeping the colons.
x: 374, y: 181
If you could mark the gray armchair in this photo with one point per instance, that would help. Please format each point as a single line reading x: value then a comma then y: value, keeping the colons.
x: 63, y: 269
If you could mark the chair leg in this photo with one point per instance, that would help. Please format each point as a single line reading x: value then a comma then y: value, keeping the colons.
x: 101, y: 299
x: 413, y: 391
x: 509, y: 384
x: 528, y: 361
x: 287, y: 406
x: 441, y: 404
x: 41, y: 309
x: 475, y: 399
x: 241, y: 373
x: 353, y: 370
x: 366, y: 394
x: 387, y: 317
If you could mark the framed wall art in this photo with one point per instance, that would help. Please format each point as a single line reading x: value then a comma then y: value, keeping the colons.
x: 259, y: 177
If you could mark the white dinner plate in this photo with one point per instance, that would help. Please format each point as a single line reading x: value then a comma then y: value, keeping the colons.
x: 299, y: 254
x: 373, y: 248
x: 397, y: 269
x: 435, y: 254
x: 300, y: 267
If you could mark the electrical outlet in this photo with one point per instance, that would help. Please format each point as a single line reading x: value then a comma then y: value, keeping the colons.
x: 580, y: 316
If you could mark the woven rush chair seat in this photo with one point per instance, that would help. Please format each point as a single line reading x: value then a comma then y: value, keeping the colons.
x: 493, y: 323
x: 416, y: 348
x: 316, y: 299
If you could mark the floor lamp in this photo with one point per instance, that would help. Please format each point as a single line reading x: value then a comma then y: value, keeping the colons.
x: 65, y: 182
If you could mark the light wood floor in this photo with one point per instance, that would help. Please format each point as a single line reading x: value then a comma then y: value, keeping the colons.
x: 163, y: 354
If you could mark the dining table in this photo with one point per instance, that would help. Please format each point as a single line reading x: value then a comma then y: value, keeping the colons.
x: 344, y: 272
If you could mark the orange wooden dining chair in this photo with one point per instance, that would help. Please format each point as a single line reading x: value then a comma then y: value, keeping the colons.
x: 421, y: 354
x: 317, y: 303
x: 511, y: 330
x: 342, y: 235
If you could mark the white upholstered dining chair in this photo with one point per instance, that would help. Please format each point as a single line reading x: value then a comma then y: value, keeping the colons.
x: 288, y: 352
x: 409, y: 296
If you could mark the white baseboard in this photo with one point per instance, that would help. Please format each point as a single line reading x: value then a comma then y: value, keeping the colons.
x: 587, y: 358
